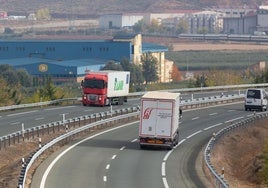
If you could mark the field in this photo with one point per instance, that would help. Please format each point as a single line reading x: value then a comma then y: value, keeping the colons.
x: 202, y: 55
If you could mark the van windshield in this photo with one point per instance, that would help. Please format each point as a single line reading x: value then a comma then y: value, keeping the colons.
x: 255, y: 94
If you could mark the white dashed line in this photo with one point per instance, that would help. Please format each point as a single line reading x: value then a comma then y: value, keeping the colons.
x: 104, y: 178
x: 163, y: 169
x: 39, y: 118
x: 122, y: 148
x: 28, y: 112
x: 231, y: 110
x: 213, y: 114
x: 58, y: 108
x: 107, y: 167
x: 165, y: 182
x: 14, y: 123
x: 135, y: 140
x: 114, y: 156
x: 195, y: 118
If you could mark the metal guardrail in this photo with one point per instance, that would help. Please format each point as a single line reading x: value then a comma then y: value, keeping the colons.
x: 184, y: 90
x: 98, y: 118
x: 38, y: 104
x: 53, y: 127
x: 220, y: 181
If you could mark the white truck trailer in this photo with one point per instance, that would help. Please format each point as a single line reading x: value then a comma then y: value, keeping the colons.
x: 159, y: 119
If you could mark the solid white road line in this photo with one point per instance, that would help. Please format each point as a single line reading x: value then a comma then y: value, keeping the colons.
x: 193, y: 134
x: 212, y: 126
x: 45, y: 175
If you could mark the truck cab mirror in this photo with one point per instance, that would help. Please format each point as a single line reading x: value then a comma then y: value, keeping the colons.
x: 82, y: 83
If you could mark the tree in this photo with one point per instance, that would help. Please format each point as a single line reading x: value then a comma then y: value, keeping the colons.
x: 139, y: 27
x: 8, y: 30
x: 15, y: 77
x: 182, y: 26
x: 47, y: 92
x: 43, y: 14
x: 175, y: 74
x: 149, y: 68
x: 24, y: 78
x: 202, y: 30
x: 262, y: 78
x: 136, y: 77
x: 4, y: 95
x: 154, y: 26
x: 222, y: 77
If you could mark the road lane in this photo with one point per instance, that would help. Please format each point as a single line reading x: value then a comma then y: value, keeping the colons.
x: 115, y: 160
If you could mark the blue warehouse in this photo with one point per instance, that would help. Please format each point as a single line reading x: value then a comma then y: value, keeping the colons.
x: 70, y: 60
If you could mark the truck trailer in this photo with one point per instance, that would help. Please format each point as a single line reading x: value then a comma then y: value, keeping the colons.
x: 103, y: 88
x: 159, y: 119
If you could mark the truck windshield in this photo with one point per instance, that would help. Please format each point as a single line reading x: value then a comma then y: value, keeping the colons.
x: 255, y: 94
x: 93, y: 83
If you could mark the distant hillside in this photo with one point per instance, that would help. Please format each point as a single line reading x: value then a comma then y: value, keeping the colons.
x: 86, y: 8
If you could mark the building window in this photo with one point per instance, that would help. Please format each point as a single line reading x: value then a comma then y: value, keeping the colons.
x: 4, y: 48
x: 87, y: 49
x: 20, y: 48
x: 104, y: 49
x: 50, y: 49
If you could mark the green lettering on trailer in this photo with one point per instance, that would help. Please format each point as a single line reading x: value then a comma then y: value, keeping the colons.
x: 118, y: 85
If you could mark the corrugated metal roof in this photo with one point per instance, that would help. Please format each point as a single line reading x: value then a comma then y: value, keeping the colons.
x: 24, y: 61
x: 81, y: 62
x: 151, y: 47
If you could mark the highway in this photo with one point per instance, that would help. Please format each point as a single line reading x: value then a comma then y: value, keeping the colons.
x: 11, y: 121
x: 113, y: 158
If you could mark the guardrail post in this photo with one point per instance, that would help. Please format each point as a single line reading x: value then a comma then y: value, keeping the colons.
x: 38, y: 131
x: 18, y: 138
x: 5, y: 141
x: 32, y: 133
x: 48, y: 127
x: 39, y: 142
x: 43, y: 131
x: 9, y: 140
x: 13, y: 138
x: 222, y: 173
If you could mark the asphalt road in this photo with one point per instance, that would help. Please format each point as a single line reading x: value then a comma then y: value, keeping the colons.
x: 113, y: 159
x: 11, y: 121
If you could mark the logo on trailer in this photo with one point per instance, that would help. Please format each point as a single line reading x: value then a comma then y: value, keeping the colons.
x: 147, y: 113
x: 118, y: 85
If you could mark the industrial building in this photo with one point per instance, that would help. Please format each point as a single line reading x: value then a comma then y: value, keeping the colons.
x: 70, y: 60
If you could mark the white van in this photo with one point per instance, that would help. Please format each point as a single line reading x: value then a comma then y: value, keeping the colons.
x: 256, y: 99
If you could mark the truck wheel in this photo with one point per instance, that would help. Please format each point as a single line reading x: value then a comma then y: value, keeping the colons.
x: 121, y: 100
x: 170, y: 147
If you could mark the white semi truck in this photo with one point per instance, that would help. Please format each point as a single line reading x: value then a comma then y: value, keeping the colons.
x: 159, y: 119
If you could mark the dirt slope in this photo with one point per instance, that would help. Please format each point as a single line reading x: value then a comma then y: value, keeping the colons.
x: 240, y: 153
